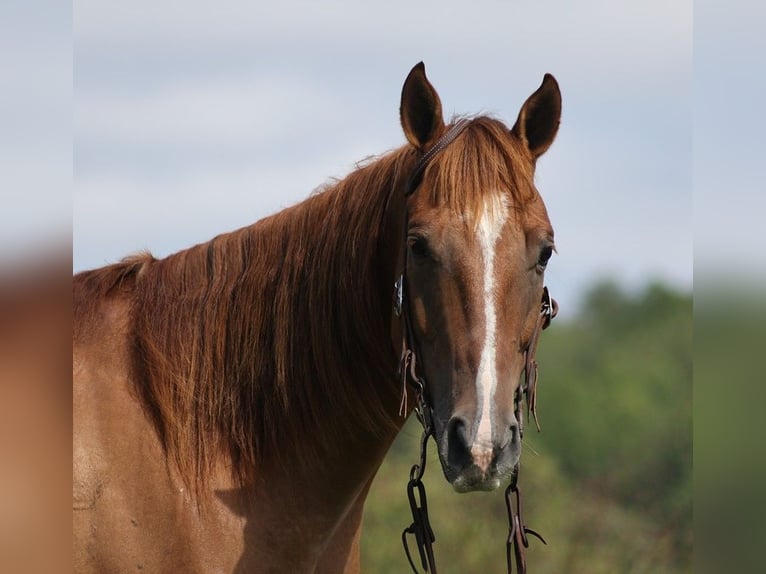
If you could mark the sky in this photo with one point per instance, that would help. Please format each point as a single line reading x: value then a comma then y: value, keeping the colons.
x: 35, y: 128
x: 729, y: 128
x: 194, y: 118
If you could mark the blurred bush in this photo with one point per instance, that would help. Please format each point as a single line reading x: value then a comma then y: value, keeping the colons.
x: 608, y: 481
x: 729, y: 394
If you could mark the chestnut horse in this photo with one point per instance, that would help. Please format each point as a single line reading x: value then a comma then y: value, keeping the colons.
x: 233, y: 401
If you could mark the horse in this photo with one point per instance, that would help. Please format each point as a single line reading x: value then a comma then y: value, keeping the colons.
x: 233, y: 401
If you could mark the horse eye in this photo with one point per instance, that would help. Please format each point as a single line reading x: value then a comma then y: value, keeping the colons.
x: 545, y: 255
x: 418, y: 247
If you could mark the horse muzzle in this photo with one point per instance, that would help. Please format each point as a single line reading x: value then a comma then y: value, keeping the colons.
x: 471, y: 462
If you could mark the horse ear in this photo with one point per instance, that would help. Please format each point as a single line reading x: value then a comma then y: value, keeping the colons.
x: 421, y: 110
x: 539, y: 117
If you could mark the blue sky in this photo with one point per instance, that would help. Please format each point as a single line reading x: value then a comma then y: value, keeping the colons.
x: 195, y: 118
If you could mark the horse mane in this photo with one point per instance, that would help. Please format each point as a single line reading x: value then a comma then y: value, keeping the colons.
x: 247, y: 344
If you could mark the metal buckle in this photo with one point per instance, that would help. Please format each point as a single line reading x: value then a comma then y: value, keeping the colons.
x: 548, y: 308
x: 399, y: 295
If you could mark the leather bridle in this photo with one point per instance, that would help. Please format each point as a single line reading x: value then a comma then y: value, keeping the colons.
x: 420, y: 528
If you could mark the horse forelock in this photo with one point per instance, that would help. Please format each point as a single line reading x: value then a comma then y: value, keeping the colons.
x: 485, y: 159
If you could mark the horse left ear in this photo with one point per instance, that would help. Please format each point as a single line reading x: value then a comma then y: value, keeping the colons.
x: 539, y: 117
x: 421, y: 109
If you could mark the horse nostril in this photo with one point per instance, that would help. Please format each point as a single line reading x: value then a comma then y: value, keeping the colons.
x: 457, y: 431
x: 511, y: 435
x: 458, y: 441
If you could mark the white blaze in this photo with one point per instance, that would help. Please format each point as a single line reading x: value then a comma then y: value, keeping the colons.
x: 490, y: 225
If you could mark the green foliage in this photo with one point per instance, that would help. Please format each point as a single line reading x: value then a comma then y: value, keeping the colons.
x: 607, y: 482
x: 729, y: 394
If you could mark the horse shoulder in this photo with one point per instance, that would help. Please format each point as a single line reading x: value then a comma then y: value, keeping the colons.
x: 131, y: 511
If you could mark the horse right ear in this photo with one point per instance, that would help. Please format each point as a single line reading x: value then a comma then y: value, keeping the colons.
x: 539, y: 117
x: 421, y: 110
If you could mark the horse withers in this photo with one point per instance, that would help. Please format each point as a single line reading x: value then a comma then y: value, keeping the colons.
x: 233, y: 401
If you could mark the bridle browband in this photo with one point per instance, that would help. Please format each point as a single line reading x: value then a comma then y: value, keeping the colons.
x: 517, y: 539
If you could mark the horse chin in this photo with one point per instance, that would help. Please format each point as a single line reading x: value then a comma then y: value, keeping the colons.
x: 473, y: 479
x: 465, y: 484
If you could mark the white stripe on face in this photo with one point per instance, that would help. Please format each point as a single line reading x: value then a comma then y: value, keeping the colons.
x: 492, y: 220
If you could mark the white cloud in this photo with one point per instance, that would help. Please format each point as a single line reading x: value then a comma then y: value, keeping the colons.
x: 534, y: 26
x: 228, y: 111
x: 598, y: 39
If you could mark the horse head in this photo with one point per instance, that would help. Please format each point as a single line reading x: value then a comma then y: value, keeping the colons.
x: 478, y: 240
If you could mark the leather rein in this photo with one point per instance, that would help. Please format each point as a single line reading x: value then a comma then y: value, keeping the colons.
x: 420, y: 528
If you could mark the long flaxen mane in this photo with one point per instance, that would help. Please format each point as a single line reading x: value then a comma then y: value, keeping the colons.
x: 251, y: 344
